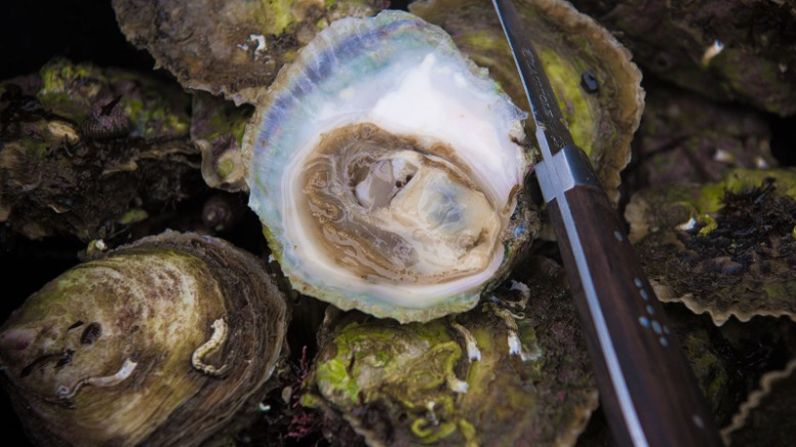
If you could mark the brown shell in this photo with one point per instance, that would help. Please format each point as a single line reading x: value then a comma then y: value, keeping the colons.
x: 123, y: 349
x: 725, y: 248
x: 229, y: 47
x: 392, y: 383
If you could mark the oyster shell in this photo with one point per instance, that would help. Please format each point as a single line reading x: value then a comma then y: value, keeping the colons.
x: 686, y: 138
x: 85, y: 150
x: 771, y: 405
x: 596, y: 84
x: 230, y: 47
x: 164, y: 341
x: 386, y: 169
x: 728, y: 50
x: 725, y: 248
x: 483, y: 378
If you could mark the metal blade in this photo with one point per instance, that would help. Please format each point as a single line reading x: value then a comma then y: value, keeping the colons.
x: 551, y: 130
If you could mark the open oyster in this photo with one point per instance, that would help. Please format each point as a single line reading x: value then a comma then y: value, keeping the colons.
x: 596, y: 84
x: 386, y: 169
x: 161, y: 342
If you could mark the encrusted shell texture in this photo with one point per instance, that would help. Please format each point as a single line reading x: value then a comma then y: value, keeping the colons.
x: 234, y: 48
x: 492, y: 376
x: 164, y: 341
x: 725, y: 248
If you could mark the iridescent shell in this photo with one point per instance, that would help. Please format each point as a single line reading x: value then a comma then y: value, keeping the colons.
x: 386, y: 169
x: 165, y: 341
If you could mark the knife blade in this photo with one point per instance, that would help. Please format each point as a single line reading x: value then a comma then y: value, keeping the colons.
x: 648, y: 391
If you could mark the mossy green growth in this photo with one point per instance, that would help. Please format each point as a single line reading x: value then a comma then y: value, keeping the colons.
x: 275, y: 16
x: 579, y: 114
x: 418, y: 381
x: 68, y: 89
x: 710, y: 197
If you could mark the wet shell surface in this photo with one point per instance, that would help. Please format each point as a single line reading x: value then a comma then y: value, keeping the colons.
x: 387, y: 170
x: 492, y: 376
x: 597, y: 86
x: 161, y: 342
x: 230, y: 47
x: 724, y: 248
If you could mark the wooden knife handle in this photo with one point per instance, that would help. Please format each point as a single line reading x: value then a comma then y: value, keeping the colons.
x: 647, y: 388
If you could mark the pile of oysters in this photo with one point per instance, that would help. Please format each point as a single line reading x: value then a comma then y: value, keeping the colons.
x: 407, y: 290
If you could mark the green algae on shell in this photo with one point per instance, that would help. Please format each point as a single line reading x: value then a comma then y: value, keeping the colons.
x: 571, y: 46
x: 463, y: 381
x: 234, y: 48
x: 387, y: 171
x: 725, y: 248
x: 164, y: 341
x: 83, y: 147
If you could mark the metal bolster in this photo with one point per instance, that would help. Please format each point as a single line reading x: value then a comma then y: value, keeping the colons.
x: 568, y: 168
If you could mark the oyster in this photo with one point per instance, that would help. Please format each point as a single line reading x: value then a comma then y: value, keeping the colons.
x: 597, y: 86
x: 86, y: 151
x: 387, y: 171
x: 728, y: 50
x: 483, y: 378
x: 230, y: 47
x: 163, y: 341
x: 686, y: 138
x: 725, y: 248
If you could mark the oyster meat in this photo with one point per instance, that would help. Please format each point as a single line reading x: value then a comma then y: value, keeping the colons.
x: 165, y: 341
x: 386, y: 168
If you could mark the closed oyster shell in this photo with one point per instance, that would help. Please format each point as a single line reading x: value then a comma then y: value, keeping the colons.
x: 725, y: 248
x: 165, y: 341
x: 597, y: 86
x: 728, y: 50
x: 463, y: 381
x: 234, y: 48
x: 86, y: 151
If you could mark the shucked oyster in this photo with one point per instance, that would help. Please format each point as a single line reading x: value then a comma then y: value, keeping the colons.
x: 161, y: 342
x: 386, y: 169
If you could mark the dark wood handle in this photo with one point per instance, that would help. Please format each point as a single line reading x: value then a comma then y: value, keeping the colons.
x: 655, y: 378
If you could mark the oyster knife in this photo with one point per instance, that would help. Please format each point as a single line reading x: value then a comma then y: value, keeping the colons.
x: 647, y: 389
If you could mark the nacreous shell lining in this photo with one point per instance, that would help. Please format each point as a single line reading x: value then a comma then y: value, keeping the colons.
x: 385, y: 169
x: 388, y: 208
